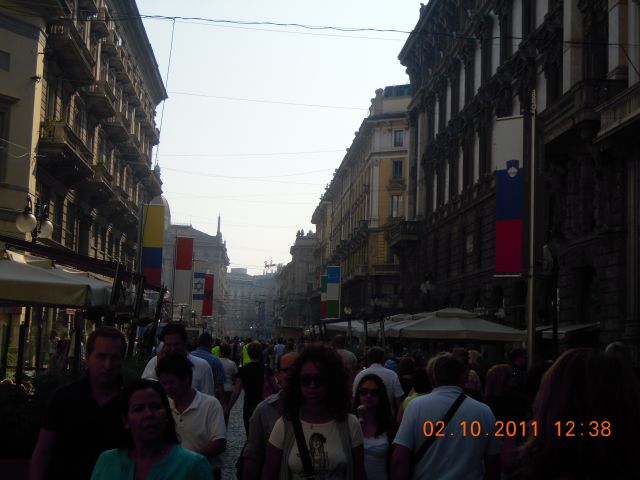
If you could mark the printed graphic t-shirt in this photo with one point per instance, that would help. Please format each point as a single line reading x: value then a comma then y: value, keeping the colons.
x: 328, y: 457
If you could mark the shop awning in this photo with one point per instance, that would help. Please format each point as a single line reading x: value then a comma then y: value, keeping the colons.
x: 26, y: 284
x: 453, y: 324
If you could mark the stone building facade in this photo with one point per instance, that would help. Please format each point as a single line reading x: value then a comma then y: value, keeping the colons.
x: 79, y: 86
x: 295, y: 283
x: 474, y: 63
x: 366, y: 198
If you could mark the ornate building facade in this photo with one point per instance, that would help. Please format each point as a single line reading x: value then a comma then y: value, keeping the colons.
x: 78, y: 92
x: 474, y: 63
x: 366, y: 198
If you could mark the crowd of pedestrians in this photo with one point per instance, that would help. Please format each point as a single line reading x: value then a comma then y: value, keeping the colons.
x: 312, y: 410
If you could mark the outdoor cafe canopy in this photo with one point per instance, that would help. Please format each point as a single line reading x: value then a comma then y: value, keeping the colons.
x: 27, y: 284
x: 453, y: 324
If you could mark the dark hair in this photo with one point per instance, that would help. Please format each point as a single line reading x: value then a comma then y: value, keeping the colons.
x: 170, y: 434
x: 175, y: 329
x: 584, y: 386
x: 254, y: 350
x: 205, y: 340
x: 448, y: 369
x: 339, y: 341
x: 106, y: 332
x: 330, y: 364
x: 225, y: 350
x: 384, y: 414
x: 375, y: 355
x: 175, y: 364
x: 420, y: 379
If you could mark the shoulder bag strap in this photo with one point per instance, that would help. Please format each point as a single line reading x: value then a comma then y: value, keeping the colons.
x: 309, y: 473
x: 447, y: 417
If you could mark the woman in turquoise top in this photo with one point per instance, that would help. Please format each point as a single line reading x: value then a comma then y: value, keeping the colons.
x: 153, y: 451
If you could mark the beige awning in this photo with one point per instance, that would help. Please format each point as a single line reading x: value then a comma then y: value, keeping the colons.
x: 453, y: 324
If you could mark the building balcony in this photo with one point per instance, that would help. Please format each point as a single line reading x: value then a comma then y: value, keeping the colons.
x: 117, y: 59
x: 88, y: 6
x: 100, y: 99
x: 110, y: 45
x: 403, y: 234
x: 63, y: 150
x: 577, y: 107
x: 71, y: 51
x: 100, y: 23
x: 99, y: 188
x: 621, y: 115
x: 117, y: 127
x: 386, y: 269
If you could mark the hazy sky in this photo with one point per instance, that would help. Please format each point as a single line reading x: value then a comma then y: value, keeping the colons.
x: 250, y: 154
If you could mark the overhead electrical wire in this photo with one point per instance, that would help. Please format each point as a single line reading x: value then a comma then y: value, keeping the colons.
x: 255, y: 100
x: 216, y: 22
x: 230, y: 177
x: 259, y: 154
x: 166, y: 85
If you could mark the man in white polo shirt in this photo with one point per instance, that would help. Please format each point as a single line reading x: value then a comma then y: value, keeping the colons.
x: 465, y: 451
x: 375, y: 359
x: 199, y: 417
x: 175, y: 340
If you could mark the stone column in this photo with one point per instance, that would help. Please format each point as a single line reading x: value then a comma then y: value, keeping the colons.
x: 617, y: 57
x: 572, y: 52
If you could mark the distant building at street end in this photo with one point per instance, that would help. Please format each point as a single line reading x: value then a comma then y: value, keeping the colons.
x: 249, y: 302
x: 295, y: 283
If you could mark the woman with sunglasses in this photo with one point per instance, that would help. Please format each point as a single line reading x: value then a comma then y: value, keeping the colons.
x: 378, y: 425
x: 316, y: 398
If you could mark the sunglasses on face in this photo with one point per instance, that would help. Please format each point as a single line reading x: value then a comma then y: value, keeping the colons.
x: 307, y: 380
x: 369, y: 392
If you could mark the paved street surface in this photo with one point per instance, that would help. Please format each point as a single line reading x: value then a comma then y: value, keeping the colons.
x: 235, y: 441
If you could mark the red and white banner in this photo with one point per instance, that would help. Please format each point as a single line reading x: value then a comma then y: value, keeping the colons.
x: 183, y: 273
x: 207, y: 302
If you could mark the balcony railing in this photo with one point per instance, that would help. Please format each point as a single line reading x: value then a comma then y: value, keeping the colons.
x: 402, y: 232
x: 100, y: 23
x: 101, y: 99
x: 72, y: 51
x: 57, y: 137
x: 620, y: 112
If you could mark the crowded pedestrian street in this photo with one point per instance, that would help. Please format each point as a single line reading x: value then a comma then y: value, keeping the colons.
x: 337, y: 240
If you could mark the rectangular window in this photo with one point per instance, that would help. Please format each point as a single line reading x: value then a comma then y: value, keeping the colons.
x: 396, y: 206
x: 5, y: 61
x: 397, y: 169
x: 398, y: 138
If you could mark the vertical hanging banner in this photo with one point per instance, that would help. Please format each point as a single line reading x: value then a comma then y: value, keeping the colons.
x: 509, y: 207
x: 323, y: 296
x: 152, y: 238
x: 333, y: 291
x: 207, y: 301
x: 507, y: 149
x: 182, y: 278
x: 197, y: 289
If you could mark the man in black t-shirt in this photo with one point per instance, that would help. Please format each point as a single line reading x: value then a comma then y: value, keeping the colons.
x: 83, y: 418
x: 250, y: 378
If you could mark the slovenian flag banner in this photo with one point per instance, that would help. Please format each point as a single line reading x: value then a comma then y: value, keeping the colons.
x: 509, y: 219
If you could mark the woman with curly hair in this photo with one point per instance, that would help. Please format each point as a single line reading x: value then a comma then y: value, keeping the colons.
x: 378, y: 425
x: 316, y: 400
x: 587, y: 418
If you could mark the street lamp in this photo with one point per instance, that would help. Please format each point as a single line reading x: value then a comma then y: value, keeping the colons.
x: 39, y: 224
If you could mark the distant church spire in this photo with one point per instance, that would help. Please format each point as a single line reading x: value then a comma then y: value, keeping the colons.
x: 218, y: 233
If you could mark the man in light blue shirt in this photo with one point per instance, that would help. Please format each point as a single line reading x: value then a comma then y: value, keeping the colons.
x: 468, y: 448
